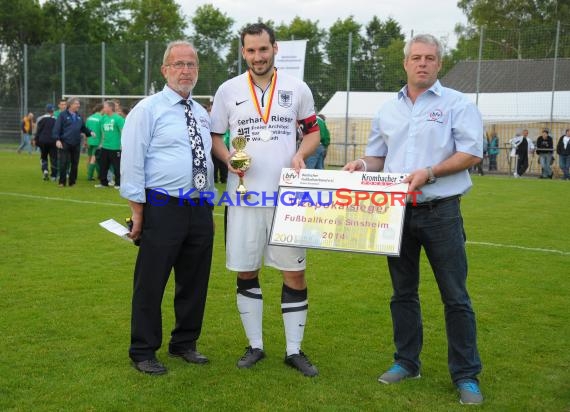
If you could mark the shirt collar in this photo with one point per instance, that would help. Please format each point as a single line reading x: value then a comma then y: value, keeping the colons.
x: 173, y: 97
x: 436, y: 89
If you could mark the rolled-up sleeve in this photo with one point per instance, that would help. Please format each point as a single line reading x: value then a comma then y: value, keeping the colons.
x: 135, y: 139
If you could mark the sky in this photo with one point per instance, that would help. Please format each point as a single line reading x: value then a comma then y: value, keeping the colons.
x: 438, y: 17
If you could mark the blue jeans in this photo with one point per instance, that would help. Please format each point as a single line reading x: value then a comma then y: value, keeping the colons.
x: 545, y: 159
x: 25, y: 143
x: 439, y: 229
x: 564, y: 163
x: 317, y: 159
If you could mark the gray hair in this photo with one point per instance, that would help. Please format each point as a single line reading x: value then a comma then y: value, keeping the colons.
x: 111, y: 104
x: 176, y: 43
x: 72, y: 100
x: 426, y: 39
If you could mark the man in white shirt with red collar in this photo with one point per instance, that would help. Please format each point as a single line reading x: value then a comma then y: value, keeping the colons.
x: 265, y: 106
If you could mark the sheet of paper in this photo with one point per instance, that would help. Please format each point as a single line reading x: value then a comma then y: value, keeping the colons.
x: 115, y: 227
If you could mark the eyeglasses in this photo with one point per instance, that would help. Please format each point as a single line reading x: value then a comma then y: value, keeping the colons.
x: 181, y: 65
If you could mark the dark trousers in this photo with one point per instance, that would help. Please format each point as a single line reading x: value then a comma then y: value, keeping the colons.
x: 68, y: 158
x: 178, y: 237
x: 439, y: 229
x: 492, y: 162
x: 522, y: 164
x: 108, y: 158
x: 49, y: 151
x: 221, y: 169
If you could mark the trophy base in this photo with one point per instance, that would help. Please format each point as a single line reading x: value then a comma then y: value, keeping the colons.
x: 241, y: 192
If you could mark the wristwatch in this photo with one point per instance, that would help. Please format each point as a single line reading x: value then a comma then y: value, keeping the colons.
x: 431, y: 177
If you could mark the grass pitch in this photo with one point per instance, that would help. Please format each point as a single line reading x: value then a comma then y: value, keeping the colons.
x: 65, y: 289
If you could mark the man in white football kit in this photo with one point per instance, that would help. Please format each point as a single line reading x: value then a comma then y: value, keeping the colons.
x: 265, y: 106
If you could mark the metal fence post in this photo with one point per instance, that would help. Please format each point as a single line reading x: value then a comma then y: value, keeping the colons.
x: 348, y: 66
x: 239, y: 56
x: 62, y: 70
x: 146, y: 67
x: 554, y: 74
x: 25, y: 94
x: 478, y: 85
x: 102, y: 71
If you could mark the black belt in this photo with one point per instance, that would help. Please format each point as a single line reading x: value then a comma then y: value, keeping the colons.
x: 433, y: 203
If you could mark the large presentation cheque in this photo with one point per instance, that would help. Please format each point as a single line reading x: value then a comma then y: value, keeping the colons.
x: 336, y: 210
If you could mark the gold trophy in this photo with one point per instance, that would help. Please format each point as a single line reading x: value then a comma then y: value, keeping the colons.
x: 240, y: 160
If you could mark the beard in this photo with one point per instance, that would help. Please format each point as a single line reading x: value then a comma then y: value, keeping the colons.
x: 263, y: 70
x: 184, y: 88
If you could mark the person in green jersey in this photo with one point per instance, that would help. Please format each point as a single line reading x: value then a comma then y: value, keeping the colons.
x: 94, y: 123
x: 61, y: 106
x: 111, y: 128
x: 317, y: 159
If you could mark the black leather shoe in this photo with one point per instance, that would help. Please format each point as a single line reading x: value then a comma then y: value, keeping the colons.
x: 191, y: 356
x: 150, y: 366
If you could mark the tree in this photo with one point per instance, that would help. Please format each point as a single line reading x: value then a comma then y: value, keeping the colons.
x: 336, y: 48
x: 300, y: 29
x: 212, y: 29
x: 380, y: 65
x: 15, y: 31
x: 156, y: 20
x: 212, y: 36
x: 513, y: 29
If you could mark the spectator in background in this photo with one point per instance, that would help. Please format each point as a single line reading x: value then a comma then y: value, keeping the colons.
x: 46, y: 143
x: 521, y: 146
x: 479, y: 166
x: 545, y: 150
x: 118, y: 107
x: 61, y: 106
x: 27, y: 128
x: 93, y: 151
x: 317, y: 159
x: 493, y: 151
x: 563, y: 150
x: 111, y: 128
x: 67, y: 133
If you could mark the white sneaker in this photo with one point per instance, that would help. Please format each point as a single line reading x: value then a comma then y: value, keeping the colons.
x: 99, y: 186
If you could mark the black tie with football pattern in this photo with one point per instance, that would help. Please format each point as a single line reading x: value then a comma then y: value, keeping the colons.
x: 199, y: 163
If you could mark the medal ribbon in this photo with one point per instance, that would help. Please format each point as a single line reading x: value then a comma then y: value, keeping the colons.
x: 264, y: 116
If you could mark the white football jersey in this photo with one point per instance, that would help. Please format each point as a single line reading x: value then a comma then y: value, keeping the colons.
x: 271, y: 145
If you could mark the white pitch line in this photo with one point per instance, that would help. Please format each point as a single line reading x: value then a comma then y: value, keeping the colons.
x: 60, y: 199
x: 531, y: 249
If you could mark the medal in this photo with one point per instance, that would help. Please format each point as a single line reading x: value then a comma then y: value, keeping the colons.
x: 265, y: 135
x: 264, y: 116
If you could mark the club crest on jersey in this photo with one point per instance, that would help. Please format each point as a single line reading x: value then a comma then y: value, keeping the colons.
x: 285, y: 98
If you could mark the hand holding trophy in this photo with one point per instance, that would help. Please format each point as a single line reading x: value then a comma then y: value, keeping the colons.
x: 241, y: 161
